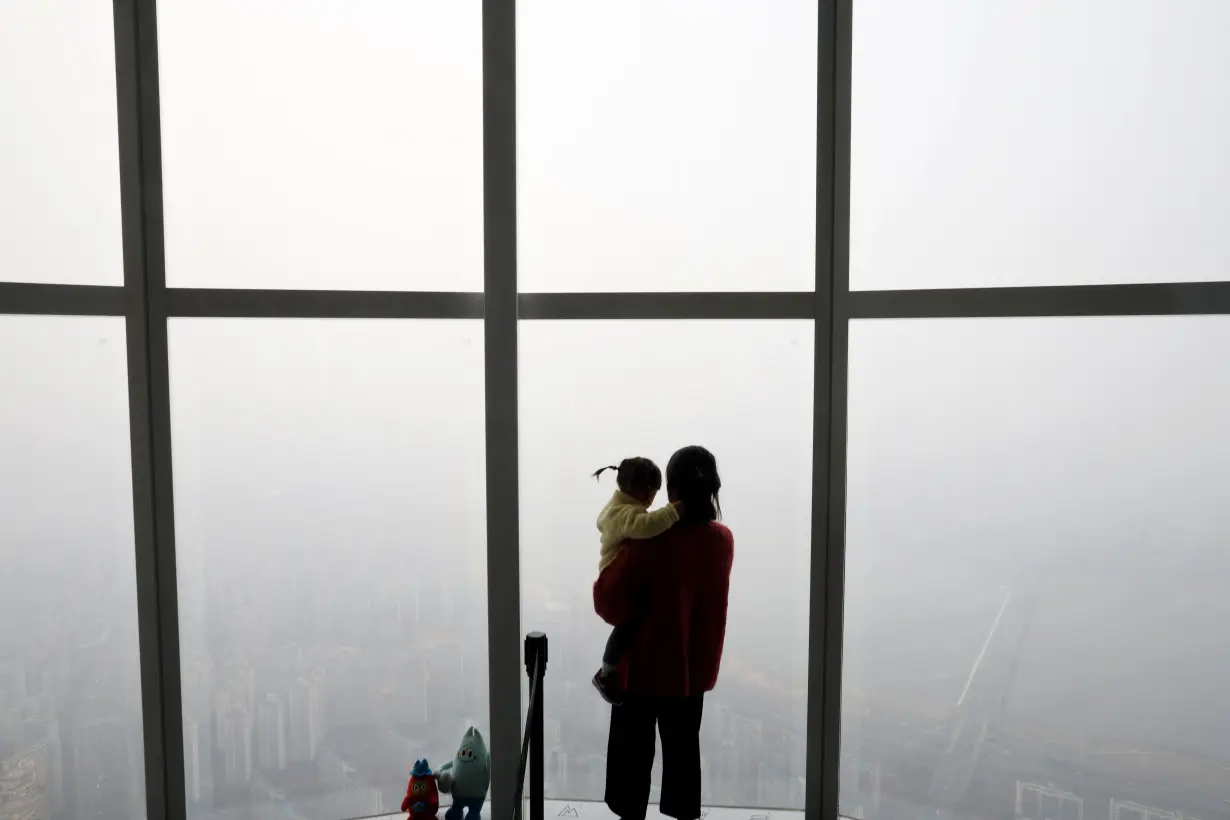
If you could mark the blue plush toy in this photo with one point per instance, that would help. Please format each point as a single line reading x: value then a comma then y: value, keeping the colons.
x: 467, y: 777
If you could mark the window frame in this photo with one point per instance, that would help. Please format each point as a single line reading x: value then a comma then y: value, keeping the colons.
x: 147, y: 303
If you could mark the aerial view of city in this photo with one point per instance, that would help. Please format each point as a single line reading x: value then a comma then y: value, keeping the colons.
x: 1004, y: 663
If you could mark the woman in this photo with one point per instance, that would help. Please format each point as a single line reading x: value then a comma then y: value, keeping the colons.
x: 676, y: 585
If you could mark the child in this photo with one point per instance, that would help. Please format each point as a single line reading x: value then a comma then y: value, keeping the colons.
x: 625, y: 516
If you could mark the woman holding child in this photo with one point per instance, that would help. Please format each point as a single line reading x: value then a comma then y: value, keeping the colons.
x: 664, y: 590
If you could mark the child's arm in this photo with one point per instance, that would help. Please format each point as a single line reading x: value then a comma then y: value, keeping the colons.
x: 636, y: 523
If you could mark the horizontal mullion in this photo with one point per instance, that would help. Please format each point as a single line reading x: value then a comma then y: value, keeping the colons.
x: 61, y: 300
x: 323, y: 304
x: 672, y: 305
x: 1155, y: 299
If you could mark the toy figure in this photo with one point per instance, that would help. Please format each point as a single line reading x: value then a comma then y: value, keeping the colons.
x: 467, y: 777
x: 422, y: 798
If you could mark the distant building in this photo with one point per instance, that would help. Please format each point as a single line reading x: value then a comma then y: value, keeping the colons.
x: 557, y: 771
x: 235, y: 738
x: 1037, y: 802
x: 271, y: 734
x: 192, y: 760
x: 306, y: 719
x: 1128, y: 810
x: 859, y: 788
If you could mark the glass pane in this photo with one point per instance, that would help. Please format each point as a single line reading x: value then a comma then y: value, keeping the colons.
x: 672, y: 147
x: 330, y: 497
x: 59, y: 145
x: 1036, y: 568
x: 1042, y: 143
x: 744, y: 390
x: 337, y: 145
x: 70, y: 677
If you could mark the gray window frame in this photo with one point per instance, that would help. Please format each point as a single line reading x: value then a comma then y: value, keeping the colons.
x: 146, y: 303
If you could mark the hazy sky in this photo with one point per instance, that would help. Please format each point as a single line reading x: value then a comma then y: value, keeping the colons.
x: 66, y: 491
x: 341, y: 145
x: 59, y: 150
x: 1049, y: 142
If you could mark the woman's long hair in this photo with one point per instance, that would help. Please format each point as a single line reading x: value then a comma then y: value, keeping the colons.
x: 692, y: 477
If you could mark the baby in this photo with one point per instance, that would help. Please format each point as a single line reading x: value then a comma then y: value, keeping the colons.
x: 626, y: 516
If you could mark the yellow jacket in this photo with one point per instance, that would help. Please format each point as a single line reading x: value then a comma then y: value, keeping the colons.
x: 624, y: 517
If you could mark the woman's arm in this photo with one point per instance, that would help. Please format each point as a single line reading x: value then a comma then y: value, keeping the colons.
x: 614, y: 591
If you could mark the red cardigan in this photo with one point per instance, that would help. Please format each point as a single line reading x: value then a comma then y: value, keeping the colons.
x: 677, y: 585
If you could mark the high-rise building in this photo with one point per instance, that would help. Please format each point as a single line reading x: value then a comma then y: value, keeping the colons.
x: 1129, y: 810
x: 306, y: 719
x: 198, y: 702
x: 557, y: 771
x: 551, y: 732
x: 192, y: 760
x: 1037, y: 802
x: 238, y: 680
x: 235, y: 737
x: 271, y: 734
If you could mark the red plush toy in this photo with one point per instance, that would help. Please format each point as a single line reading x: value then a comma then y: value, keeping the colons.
x: 422, y: 797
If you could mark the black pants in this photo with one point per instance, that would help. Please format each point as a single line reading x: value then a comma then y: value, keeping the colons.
x: 618, y: 639
x: 630, y: 750
x: 615, y: 643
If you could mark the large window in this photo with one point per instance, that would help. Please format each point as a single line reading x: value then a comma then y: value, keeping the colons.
x: 673, y: 151
x: 332, y: 559
x: 322, y: 145
x: 673, y: 389
x: 59, y: 166
x: 1058, y: 142
x: 316, y: 318
x: 1034, y: 566
x: 70, y: 688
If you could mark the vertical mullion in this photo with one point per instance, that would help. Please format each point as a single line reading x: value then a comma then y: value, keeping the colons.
x: 500, y: 362
x: 829, y: 415
x: 136, y: 60
x: 838, y: 395
x: 835, y: 592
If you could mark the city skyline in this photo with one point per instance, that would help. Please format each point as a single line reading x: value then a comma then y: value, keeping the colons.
x: 312, y: 673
